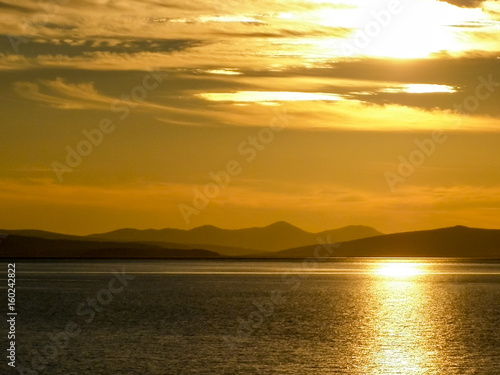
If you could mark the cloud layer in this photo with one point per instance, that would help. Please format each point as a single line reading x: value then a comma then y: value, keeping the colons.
x: 357, y: 86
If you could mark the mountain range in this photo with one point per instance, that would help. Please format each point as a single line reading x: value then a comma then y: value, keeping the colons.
x: 278, y: 236
x: 278, y: 240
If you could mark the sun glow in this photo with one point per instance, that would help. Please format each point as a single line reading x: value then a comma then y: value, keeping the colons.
x: 399, y: 270
x: 268, y: 96
x: 416, y: 88
x: 414, y: 29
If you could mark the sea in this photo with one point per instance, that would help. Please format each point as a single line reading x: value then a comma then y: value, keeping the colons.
x: 313, y: 316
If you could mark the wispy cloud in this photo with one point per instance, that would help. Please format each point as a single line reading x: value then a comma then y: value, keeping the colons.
x: 60, y: 94
x: 63, y: 95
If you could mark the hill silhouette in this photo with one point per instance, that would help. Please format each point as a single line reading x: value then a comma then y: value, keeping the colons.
x: 44, y: 234
x: 33, y: 233
x: 14, y: 246
x: 278, y: 236
x: 458, y: 241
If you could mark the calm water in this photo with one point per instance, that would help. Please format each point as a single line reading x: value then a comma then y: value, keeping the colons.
x: 269, y: 317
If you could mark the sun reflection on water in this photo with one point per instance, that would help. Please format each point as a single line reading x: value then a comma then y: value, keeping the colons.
x: 401, y: 344
x: 399, y: 270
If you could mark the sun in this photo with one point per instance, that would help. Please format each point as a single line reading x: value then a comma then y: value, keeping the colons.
x: 422, y: 28
x: 415, y: 29
x: 399, y: 270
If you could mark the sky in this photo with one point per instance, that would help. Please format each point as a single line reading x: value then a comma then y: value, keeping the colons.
x: 322, y: 113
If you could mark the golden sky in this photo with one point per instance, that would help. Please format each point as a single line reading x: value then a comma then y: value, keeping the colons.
x: 323, y: 113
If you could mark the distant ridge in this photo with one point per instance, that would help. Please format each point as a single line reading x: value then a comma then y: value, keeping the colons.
x: 44, y: 234
x: 15, y: 246
x: 457, y: 241
x: 277, y: 236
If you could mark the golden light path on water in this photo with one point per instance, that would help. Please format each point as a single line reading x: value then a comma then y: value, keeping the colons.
x: 399, y: 322
x: 400, y: 270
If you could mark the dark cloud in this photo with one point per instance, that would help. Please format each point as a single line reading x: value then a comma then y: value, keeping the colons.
x: 79, y: 47
x: 464, y: 74
x: 465, y: 3
x: 6, y: 7
x: 332, y: 32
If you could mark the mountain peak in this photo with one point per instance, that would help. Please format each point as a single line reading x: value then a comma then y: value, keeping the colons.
x: 206, y: 229
x: 207, y: 226
x: 281, y: 224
